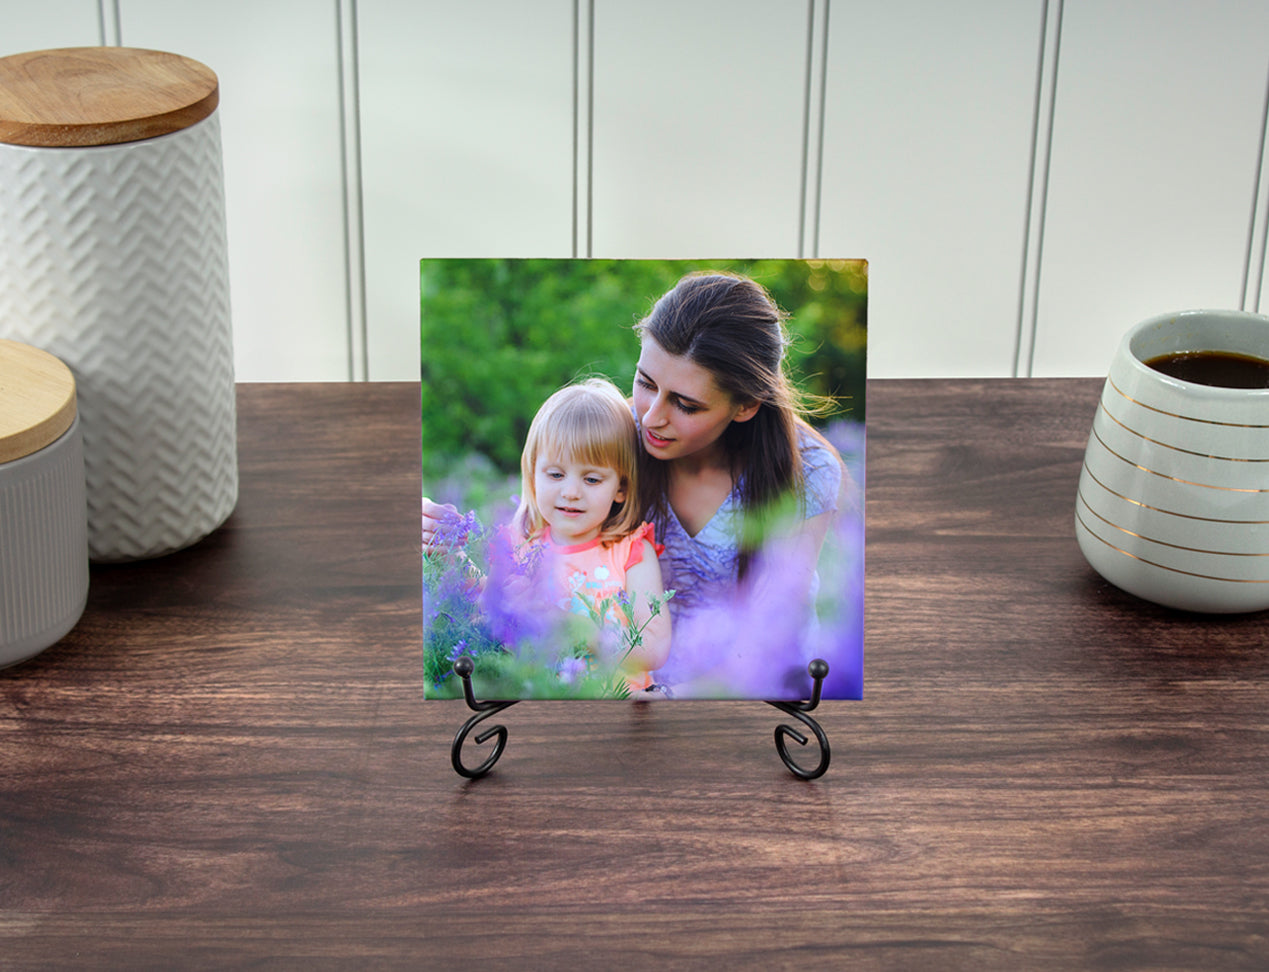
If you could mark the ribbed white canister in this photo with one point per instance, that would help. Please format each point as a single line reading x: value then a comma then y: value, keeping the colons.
x: 43, y: 514
x: 113, y: 257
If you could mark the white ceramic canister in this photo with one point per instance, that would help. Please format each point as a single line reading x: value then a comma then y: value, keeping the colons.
x: 43, y: 512
x: 113, y: 257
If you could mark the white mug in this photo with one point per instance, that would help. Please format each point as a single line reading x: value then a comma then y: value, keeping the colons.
x: 1173, y: 502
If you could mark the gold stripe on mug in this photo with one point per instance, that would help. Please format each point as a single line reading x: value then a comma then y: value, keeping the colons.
x: 1165, y: 543
x: 1160, y: 509
x: 1188, y: 452
x: 1175, y: 570
x: 1175, y: 479
x: 1188, y: 418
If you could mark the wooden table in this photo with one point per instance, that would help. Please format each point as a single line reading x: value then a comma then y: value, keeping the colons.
x: 229, y: 761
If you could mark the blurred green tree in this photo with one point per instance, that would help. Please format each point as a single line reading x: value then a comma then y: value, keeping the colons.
x: 498, y: 336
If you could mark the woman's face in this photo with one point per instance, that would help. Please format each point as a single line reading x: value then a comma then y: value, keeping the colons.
x: 681, y: 409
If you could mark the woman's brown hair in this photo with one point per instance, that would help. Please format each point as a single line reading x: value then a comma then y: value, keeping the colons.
x: 730, y: 326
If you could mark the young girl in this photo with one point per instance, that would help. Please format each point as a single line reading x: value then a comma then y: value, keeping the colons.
x: 579, y: 511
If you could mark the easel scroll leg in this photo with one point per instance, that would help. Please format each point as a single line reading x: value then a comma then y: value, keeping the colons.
x: 818, y: 670
x: 464, y: 667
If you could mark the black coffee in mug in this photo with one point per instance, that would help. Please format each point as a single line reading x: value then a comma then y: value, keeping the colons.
x: 1223, y: 369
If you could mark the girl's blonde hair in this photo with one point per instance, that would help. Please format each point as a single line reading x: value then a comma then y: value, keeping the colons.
x: 589, y: 422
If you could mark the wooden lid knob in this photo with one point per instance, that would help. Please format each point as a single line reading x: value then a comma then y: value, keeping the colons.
x: 37, y: 400
x: 79, y: 96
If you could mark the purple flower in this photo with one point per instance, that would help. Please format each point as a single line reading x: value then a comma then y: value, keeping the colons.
x: 846, y: 437
x: 572, y: 669
x: 455, y: 531
x: 519, y: 597
x: 756, y: 641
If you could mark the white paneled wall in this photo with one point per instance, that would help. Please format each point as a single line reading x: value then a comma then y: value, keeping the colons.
x: 698, y: 128
x: 1156, y: 153
x: 278, y: 64
x: 466, y: 147
x: 1027, y: 178
x: 928, y: 135
x: 50, y: 23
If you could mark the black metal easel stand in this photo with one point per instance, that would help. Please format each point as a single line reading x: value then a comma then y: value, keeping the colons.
x: 818, y: 670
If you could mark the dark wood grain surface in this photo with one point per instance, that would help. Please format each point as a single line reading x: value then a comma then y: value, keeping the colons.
x: 229, y: 762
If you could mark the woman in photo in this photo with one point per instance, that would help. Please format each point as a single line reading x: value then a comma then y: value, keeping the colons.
x: 741, y: 489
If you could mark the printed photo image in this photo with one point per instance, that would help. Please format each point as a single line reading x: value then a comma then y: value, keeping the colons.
x: 643, y: 479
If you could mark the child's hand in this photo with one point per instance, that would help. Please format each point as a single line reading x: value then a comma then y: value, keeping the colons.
x: 444, y: 535
x: 438, y: 522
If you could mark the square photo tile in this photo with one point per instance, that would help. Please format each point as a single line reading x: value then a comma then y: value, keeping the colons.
x: 643, y: 479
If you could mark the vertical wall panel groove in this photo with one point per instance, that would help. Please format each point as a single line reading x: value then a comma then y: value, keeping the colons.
x: 1037, y: 190
x: 1254, y: 274
x: 583, y: 126
x: 818, y: 190
x: 806, y: 126
x: 577, y: 84
x: 816, y: 84
x: 350, y: 171
x: 108, y: 23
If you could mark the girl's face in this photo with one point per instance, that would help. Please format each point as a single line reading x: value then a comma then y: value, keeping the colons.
x: 575, y: 499
x: 681, y: 409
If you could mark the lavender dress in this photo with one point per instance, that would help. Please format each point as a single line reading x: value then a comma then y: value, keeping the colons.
x: 701, y: 570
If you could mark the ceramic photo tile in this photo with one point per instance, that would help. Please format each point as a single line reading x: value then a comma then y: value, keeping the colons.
x: 643, y: 479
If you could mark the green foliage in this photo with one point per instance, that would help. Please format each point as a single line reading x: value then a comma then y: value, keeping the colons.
x: 499, y: 336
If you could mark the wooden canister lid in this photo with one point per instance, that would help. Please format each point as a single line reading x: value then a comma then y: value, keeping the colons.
x: 80, y: 96
x: 37, y: 399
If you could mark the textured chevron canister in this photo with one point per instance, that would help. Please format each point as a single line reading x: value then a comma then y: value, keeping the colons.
x: 114, y: 259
